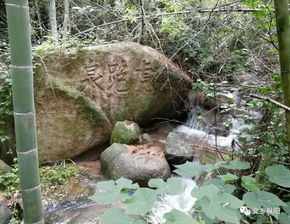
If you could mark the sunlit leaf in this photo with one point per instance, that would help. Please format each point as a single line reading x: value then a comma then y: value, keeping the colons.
x: 178, y: 217
x: 279, y: 174
x: 172, y: 186
x: 141, y: 202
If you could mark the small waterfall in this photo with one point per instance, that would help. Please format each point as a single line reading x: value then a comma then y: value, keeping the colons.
x: 165, y: 203
x: 197, y: 130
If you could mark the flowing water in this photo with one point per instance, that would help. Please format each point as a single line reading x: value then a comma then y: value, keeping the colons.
x: 165, y: 203
x: 198, y: 132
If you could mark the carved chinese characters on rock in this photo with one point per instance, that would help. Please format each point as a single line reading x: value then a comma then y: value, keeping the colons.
x: 145, y: 73
x: 106, y: 79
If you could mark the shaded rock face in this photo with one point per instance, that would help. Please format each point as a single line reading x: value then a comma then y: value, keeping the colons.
x: 137, y: 163
x: 125, y: 132
x: 5, y: 211
x: 82, y: 93
x: 177, y: 150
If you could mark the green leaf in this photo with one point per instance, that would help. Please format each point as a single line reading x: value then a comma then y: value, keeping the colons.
x: 208, y: 191
x: 227, y: 214
x: 279, y: 175
x: 284, y: 218
x: 172, y: 186
x: 235, y: 165
x: 287, y: 208
x: 221, y: 207
x: 228, y: 188
x: 227, y: 200
x: 207, y: 207
x: 141, y: 202
x: 228, y: 177
x: 113, y: 216
x: 250, y: 183
x: 262, y: 199
x: 192, y: 169
x: 139, y: 221
x: 113, y: 191
x: 178, y: 217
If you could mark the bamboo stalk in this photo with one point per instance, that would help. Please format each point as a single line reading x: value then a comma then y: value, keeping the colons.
x: 283, y: 31
x: 24, y: 112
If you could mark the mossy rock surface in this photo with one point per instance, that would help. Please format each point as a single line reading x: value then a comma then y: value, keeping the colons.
x: 81, y: 93
x: 125, y: 132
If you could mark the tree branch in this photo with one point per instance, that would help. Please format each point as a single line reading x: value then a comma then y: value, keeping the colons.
x: 152, y: 16
x: 271, y: 101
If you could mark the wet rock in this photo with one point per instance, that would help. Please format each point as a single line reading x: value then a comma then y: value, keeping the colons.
x: 5, y: 211
x: 146, y: 139
x: 4, y: 167
x: 125, y: 132
x: 198, y: 98
x: 177, y: 150
x: 80, y: 93
x: 137, y: 163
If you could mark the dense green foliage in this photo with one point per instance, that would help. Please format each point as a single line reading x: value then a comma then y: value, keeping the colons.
x: 221, y: 198
x: 58, y: 174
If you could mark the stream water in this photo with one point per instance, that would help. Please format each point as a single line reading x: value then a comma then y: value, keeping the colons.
x: 199, y: 132
x: 76, y: 211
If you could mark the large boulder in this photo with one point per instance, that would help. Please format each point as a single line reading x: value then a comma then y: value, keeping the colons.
x: 137, y: 163
x: 82, y: 92
x: 125, y: 132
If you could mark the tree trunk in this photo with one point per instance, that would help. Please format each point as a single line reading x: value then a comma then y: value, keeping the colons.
x: 66, y: 28
x: 283, y: 30
x: 52, y: 19
x: 24, y: 113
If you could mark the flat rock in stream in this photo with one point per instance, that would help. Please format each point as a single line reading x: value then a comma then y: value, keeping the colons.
x: 137, y: 163
x: 177, y: 150
x: 82, y: 92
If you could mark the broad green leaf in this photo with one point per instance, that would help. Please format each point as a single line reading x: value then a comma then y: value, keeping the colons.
x: 227, y: 200
x: 139, y: 221
x: 284, y: 218
x: 228, y: 177
x: 113, y: 191
x: 227, y: 214
x: 141, y: 201
x: 178, y: 217
x: 113, y: 216
x: 279, y: 175
x: 192, y: 169
x: 235, y: 165
x: 209, y: 191
x: 207, y: 207
x: 287, y: 208
x: 172, y: 186
x: 250, y: 183
x: 262, y: 199
x: 228, y: 188
x: 221, y: 207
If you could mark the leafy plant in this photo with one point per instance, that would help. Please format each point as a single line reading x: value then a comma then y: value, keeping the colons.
x: 58, y: 174
x: 217, y: 198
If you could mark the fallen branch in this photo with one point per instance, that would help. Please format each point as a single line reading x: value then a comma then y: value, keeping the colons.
x: 271, y: 101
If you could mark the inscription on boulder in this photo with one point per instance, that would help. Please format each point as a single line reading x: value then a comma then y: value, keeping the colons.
x: 111, y: 77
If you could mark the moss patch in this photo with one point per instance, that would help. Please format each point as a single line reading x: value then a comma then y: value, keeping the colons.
x: 88, y: 105
x: 125, y: 132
